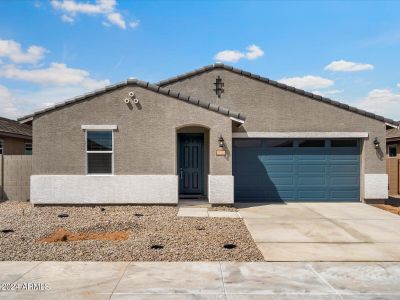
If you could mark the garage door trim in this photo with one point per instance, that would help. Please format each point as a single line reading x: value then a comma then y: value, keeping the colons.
x: 294, y: 135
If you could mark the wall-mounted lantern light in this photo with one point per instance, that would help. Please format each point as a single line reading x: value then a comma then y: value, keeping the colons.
x: 376, y: 143
x: 221, y: 146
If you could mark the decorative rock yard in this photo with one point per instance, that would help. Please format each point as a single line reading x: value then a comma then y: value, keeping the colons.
x: 121, y: 233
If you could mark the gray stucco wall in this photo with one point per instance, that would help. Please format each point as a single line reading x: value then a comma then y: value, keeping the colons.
x: 145, y: 142
x: 271, y: 109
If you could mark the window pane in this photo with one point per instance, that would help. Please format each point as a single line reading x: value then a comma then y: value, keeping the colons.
x: 344, y: 143
x: 99, y: 163
x: 280, y: 143
x: 392, y: 150
x: 312, y: 143
x: 28, y: 149
x: 1, y: 147
x: 247, y: 143
x: 99, y: 141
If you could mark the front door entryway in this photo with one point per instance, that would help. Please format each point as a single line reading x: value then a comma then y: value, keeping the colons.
x: 190, y: 163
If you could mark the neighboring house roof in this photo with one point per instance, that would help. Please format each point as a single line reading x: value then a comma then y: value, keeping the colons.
x: 14, y: 128
x: 146, y: 85
x: 279, y: 85
x: 393, y: 134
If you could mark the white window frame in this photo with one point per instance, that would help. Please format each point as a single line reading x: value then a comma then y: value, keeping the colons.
x: 112, y: 154
x: 2, y: 146
x: 392, y: 146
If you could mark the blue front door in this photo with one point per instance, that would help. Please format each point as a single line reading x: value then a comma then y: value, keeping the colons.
x: 296, y: 170
x: 190, y: 167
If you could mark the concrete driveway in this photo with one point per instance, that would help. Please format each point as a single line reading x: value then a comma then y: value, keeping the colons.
x: 323, y: 231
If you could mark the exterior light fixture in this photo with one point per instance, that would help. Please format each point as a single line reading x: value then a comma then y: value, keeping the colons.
x: 221, y: 148
x: 219, y: 87
x: 221, y: 141
x: 376, y: 143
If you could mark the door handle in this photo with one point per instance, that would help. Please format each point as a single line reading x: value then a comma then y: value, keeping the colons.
x: 181, y: 173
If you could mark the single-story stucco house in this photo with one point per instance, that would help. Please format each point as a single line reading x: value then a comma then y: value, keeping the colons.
x: 216, y: 132
x: 15, y: 138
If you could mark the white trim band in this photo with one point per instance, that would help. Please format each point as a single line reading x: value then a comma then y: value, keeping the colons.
x: 254, y: 134
x: 220, y: 189
x: 237, y: 120
x: 376, y: 186
x: 117, y: 189
x: 99, y: 127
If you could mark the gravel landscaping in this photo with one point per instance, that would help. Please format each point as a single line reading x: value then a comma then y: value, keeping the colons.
x: 119, y: 233
x: 389, y: 208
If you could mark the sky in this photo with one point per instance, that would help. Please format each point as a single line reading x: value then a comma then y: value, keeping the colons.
x: 51, y: 51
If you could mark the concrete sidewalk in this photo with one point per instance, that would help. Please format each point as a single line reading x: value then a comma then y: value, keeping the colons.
x: 202, y: 280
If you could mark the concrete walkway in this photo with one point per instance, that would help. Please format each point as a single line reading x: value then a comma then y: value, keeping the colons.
x: 202, y: 280
x: 205, y: 213
x: 323, y: 231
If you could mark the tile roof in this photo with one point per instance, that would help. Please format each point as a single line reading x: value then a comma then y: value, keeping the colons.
x: 146, y: 85
x: 279, y: 85
x: 14, y: 127
x: 393, y: 133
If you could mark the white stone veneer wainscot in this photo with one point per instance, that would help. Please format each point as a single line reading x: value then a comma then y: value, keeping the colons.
x: 115, y: 189
x: 376, y: 186
x: 220, y: 189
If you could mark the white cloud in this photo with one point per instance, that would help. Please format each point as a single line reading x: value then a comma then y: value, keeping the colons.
x: 253, y: 52
x: 17, y: 103
x: 327, y: 93
x: 382, y: 102
x: 56, y: 74
x: 117, y: 19
x: 398, y: 85
x: 48, y: 96
x: 107, y: 8
x: 12, y: 50
x: 73, y: 7
x: 348, y: 66
x: 67, y: 19
x: 229, y: 55
x: 134, y: 24
x: 307, y: 82
x: 8, y: 107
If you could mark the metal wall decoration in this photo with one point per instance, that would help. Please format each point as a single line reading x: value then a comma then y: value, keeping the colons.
x: 219, y: 87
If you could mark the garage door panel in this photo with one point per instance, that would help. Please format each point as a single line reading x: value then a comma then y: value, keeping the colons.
x: 344, y: 158
x: 344, y: 169
x: 281, y: 181
x: 259, y: 195
x: 311, y: 194
x: 295, y: 173
x: 344, y: 181
x: 343, y: 194
x: 267, y: 157
x: 277, y: 168
x: 313, y: 181
x: 311, y: 168
x: 311, y: 158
